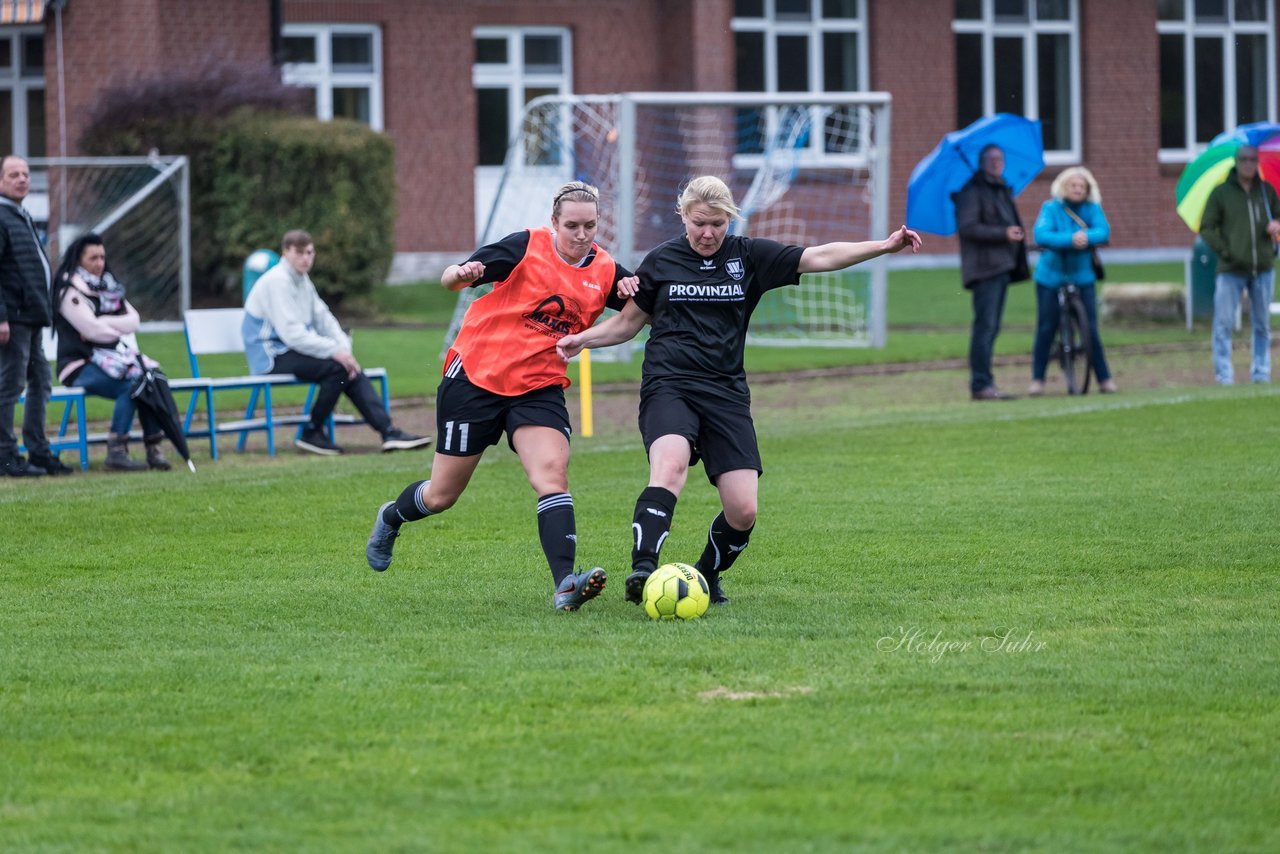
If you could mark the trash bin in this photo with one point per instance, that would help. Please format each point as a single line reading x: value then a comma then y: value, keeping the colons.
x: 1201, y: 272
x: 262, y: 260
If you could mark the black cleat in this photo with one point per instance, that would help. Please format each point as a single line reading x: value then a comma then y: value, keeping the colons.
x: 578, y: 588
x: 714, y: 589
x: 635, y: 586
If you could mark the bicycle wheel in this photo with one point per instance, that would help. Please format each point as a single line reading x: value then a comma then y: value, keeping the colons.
x: 1074, y: 345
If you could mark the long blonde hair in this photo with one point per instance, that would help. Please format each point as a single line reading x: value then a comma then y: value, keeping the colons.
x: 1059, y: 188
x: 710, y: 191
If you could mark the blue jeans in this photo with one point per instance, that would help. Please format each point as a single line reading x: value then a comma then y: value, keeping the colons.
x: 1228, y: 288
x: 22, y: 363
x: 988, y: 308
x: 1047, y: 327
x: 93, y: 380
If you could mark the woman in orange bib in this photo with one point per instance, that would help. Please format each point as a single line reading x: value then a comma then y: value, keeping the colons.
x: 503, y: 374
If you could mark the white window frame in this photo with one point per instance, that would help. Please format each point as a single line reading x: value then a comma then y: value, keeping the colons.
x: 1191, y: 30
x: 19, y: 87
x: 321, y: 76
x: 514, y: 77
x: 813, y: 29
x: 990, y: 29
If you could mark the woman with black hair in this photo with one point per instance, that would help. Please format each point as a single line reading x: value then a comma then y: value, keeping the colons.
x: 92, y: 319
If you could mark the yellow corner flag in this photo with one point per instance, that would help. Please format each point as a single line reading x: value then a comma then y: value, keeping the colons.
x: 584, y: 378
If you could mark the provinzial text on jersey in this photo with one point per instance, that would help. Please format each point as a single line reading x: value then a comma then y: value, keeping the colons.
x: 705, y: 292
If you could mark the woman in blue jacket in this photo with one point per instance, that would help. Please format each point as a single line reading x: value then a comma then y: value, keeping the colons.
x: 1070, y: 225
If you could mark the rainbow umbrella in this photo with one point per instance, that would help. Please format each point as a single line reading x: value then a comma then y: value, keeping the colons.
x: 1213, y: 165
x: 1199, y: 179
x: 1254, y: 133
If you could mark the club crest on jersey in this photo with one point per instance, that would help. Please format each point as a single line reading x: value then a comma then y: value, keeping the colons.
x: 734, y: 268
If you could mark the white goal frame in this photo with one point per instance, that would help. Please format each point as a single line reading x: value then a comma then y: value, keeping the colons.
x: 620, y: 160
x: 142, y: 208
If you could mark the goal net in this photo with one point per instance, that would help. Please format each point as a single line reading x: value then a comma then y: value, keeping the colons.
x: 804, y: 169
x: 140, y: 206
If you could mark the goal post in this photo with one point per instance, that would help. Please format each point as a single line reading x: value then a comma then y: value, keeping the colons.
x: 142, y: 208
x: 805, y: 169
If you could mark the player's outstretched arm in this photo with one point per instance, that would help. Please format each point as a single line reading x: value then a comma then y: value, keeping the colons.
x: 837, y: 256
x: 458, y: 276
x: 623, y: 326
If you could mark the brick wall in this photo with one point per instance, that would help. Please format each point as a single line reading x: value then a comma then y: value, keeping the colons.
x: 913, y: 59
x: 112, y: 44
x: 429, y: 101
x: 1119, y: 104
x: 631, y: 45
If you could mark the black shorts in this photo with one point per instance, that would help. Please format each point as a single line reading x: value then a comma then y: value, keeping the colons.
x: 717, y: 424
x: 469, y: 419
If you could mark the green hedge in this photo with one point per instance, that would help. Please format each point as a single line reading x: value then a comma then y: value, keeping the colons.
x: 335, y: 179
x: 257, y: 171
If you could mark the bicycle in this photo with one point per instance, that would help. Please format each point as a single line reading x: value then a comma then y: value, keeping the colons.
x: 1074, y: 348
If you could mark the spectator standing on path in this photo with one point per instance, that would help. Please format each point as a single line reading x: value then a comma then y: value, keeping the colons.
x: 993, y: 255
x: 1070, y: 227
x: 288, y: 329
x: 25, y: 310
x: 1240, y: 226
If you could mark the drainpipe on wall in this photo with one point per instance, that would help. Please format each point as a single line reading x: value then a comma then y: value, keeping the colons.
x: 57, y: 6
x: 277, y: 38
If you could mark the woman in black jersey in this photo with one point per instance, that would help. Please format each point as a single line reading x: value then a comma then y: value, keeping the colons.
x: 698, y: 291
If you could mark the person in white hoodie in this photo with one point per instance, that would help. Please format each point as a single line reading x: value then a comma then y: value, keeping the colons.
x: 288, y: 329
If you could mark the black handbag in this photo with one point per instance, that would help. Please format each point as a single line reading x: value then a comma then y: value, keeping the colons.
x: 1099, y: 271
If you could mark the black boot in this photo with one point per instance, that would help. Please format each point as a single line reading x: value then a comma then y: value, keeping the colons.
x: 155, y: 457
x: 50, y: 463
x: 118, y: 454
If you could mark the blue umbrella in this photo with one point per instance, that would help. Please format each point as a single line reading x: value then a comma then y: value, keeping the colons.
x: 949, y: 167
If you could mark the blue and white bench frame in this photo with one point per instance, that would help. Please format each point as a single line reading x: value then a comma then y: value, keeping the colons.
x: 72, y: 400
x: 217, y: 330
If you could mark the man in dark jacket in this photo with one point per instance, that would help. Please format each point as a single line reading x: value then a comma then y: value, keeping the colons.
x: 993, y: 255
x: 1240, y: 225
x: 25, y: 309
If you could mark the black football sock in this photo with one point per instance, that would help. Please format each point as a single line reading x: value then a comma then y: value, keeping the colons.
x: 558, y: 532
x: 724, y: 544
x: 410, y: 506
x: 650, y: 525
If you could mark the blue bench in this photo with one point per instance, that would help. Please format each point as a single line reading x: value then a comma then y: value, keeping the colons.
x: 72, y: 400
x: 217, y: 330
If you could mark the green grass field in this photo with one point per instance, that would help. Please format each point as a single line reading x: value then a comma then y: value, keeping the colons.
x: 1047, y: 625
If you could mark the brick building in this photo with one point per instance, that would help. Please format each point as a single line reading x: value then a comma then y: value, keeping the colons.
x: 1133, y: 89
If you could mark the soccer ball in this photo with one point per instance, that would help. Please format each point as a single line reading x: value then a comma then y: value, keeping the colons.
x: 676, y: 591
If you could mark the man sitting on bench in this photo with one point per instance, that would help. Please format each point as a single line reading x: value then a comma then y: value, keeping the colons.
x: 288, y: 329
